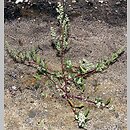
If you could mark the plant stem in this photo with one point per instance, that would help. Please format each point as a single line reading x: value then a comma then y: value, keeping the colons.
x: 83, y: 99
x: 82, y: 75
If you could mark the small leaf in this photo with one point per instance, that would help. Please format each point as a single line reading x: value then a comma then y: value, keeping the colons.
x: 58, y: 46
x: 42, y: 64
x: 114, y: 56
x: 68, y: 64
x: 27, y: 55
x: 38, y: 60
x: 58, y: 75
x: 83, y: 70
x: 37, y: 76
x: 86, y: 112
x: 80, y: 83
x: 44, y: 95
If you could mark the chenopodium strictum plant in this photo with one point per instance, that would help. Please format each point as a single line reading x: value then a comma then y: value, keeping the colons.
x: 70, y: 75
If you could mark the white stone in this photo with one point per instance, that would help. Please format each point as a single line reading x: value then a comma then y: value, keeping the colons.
x: 14, y: 87
x: 101, y: 1
x: 21, y: 76
x: 17, y: 1
x: 19, y: 18
x: 73, y: 1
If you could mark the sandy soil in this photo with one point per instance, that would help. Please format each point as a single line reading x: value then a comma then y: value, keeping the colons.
x: 92, y: 38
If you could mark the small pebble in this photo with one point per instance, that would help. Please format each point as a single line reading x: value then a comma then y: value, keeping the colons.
x: 32, y: 114
x: 21, y: 76
x: 18, y: 1
x: 45, y: 105
x: 73, y: 1
x: 19, y: 18
x: 116, y: 115
x: 95, y: 83
x: 100, y: 1
x: 116, y: 11
x: 46, y: 110
x: 49, y: 2
x: 111, y: 108
x: 125, y: 35
x: 14, y: 87
x: 118, y: 3
x: 29, y: 120
x: 99, y: 21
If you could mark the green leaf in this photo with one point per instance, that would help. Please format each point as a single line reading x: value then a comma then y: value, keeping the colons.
x: 83, y: 70
x: 58, y: 75
x: 42, y: 63
x: 68, y: 64
x: 58, y: 46
x: 100, y: 66
x: 80, y: 83
x: 114, y: 56
x: 37, y: 76
x: 27, y: 55
x: 85, y: 66
x: 86, y: 112
x: 38, y: 60
x: 98, y: 99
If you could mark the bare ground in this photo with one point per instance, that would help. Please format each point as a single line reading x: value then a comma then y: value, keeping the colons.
x: 90, y: 39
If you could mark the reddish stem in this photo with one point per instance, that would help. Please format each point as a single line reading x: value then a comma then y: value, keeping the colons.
x: 82, y: 75
x: 83, y: 99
